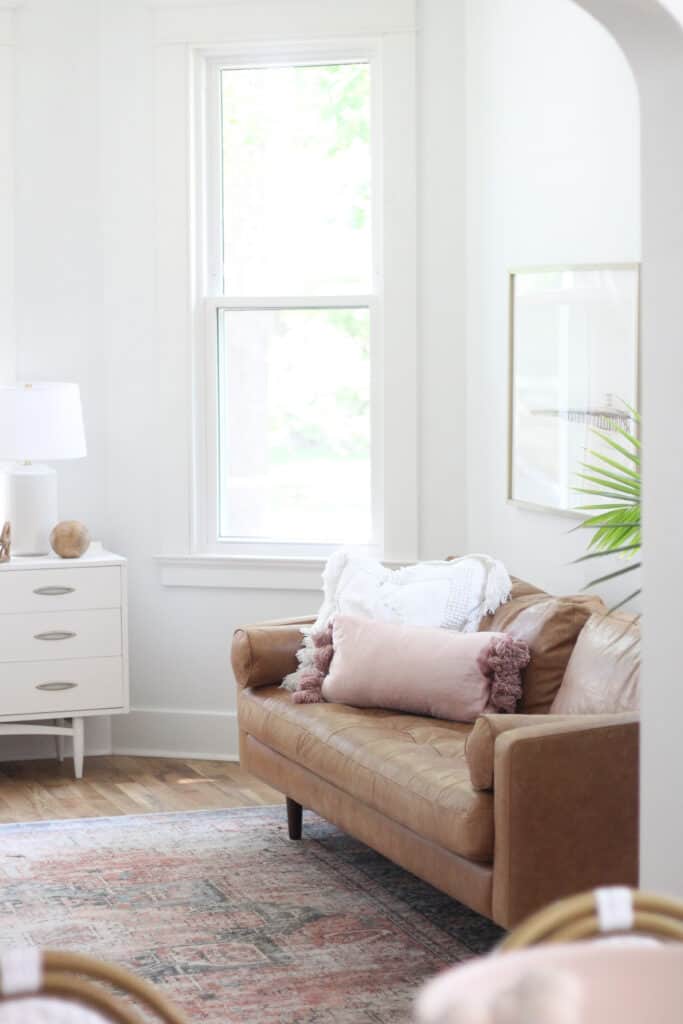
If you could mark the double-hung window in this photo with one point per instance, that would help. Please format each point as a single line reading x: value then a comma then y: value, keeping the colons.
x: 292, y: 309
x: 304, y: 424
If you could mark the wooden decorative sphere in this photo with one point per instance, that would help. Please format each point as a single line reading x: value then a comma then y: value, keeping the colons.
x: 70, y: 539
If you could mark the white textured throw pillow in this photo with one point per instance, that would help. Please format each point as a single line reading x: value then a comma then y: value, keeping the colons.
x: 450, y: 595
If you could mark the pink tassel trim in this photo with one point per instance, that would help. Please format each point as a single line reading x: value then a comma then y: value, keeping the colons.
x: 502, y: 662
x: 309, y: 690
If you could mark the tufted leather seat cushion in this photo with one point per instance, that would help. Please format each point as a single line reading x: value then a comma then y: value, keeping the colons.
x: 409, y: 768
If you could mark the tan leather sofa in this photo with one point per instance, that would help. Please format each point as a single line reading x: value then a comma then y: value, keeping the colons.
x: 537, y: 807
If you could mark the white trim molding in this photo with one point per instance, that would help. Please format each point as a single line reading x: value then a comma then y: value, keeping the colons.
x: 249, y: 572
x: 188, y: 34
x: 236, y: 573
x: 177, y: 732
x: 202, y: 24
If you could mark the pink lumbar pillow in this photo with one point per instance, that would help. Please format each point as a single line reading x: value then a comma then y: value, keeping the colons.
x: 435, y: 672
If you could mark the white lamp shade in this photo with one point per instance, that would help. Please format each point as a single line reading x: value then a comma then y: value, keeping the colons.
x: 41, y: 422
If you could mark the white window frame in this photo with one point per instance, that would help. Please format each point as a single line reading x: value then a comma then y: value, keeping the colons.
x: 207, y: 455
x: 381, y: 31
x: 210, y: 284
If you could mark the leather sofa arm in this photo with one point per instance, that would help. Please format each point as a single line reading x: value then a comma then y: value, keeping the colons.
x: 565, y: 811
x: 481, y: 742
x: 264, y: 654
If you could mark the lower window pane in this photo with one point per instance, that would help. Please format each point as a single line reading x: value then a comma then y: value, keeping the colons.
x: 294, y: 425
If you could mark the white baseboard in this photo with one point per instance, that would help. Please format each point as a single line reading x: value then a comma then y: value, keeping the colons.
x: 145, y: 732
x: 177, y: 732
x: 39, y: 748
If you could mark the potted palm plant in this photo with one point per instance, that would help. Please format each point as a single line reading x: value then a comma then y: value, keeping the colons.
x: 613, y: 476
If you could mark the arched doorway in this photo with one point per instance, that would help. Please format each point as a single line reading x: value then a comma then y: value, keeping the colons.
x: 652, y: 40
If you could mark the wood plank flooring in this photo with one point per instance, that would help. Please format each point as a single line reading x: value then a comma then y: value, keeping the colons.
x: 113, y: 785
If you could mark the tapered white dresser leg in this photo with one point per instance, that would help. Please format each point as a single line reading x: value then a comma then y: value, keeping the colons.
x: 78, y: 747
x: 59, y: 740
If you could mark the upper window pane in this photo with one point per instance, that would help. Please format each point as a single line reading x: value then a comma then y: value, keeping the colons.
x: 296, y: 180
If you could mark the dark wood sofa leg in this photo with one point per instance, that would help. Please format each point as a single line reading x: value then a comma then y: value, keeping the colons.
x: 294, y: 811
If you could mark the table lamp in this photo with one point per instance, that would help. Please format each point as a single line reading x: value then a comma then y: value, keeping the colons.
x: 39, y: 423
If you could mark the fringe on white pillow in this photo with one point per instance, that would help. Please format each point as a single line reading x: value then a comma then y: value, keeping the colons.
x: 455, y: 594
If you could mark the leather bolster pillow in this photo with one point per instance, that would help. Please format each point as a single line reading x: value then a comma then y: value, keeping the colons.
x: 480, y: 745
x: 481, y: 742
x: 263, y: 655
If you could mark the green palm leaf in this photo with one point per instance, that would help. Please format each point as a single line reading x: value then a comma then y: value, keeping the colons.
x: 633, y: 455
x: 614, y: 575
x: 624, y: 601
x: 589, y: 508
x: 599, y: 494
x: 615, y: 465
x: 615, y: 551
x: 613, y: 475
x: 610, y: 481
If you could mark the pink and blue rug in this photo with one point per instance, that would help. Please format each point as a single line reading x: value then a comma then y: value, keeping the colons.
x: 235, y: 922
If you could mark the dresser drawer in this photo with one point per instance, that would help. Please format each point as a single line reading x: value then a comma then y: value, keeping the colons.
x: 48, y: 590
x: 32, y: 688
x: 52, y: 636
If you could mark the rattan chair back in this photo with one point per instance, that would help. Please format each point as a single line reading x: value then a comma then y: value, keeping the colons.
x: 588, y: 916
x: 76, y: 978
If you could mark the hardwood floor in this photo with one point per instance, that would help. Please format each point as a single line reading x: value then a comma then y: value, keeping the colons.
x: 47, y: 790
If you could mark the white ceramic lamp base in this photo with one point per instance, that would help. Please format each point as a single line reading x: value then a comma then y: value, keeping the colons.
x: 32, y: 501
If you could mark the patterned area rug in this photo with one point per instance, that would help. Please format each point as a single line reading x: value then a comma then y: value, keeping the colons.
x: 234, y: 921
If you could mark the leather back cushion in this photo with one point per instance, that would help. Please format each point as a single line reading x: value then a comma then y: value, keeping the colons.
x: 603, y: 673
x: 550, y: 626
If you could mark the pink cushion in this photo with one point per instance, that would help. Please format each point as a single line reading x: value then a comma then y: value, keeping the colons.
x: 435, y: 672
x: 608, y: 984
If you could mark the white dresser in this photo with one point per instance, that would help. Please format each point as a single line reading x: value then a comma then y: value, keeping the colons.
x: 63, y: 645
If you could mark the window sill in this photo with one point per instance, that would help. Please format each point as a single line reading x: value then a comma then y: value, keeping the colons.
x: 240, y: 572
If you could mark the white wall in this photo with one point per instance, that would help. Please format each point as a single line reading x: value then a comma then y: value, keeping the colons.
x: 50, y: 281
x: 182, y: 689
x: 85, y: 305
x: 58, y: 286
x: 553, y: 178
x: 6, y: 201
x: 85, y: 257
x: 76, y: 164
x: 658, y: 58
x: 7, y: 350
x: 654, y: 45
x: 651, y: 33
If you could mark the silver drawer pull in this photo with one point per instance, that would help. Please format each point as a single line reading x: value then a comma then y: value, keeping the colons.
x: 55, y: 686
x: 54, y: 634
x: 54, y: 591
